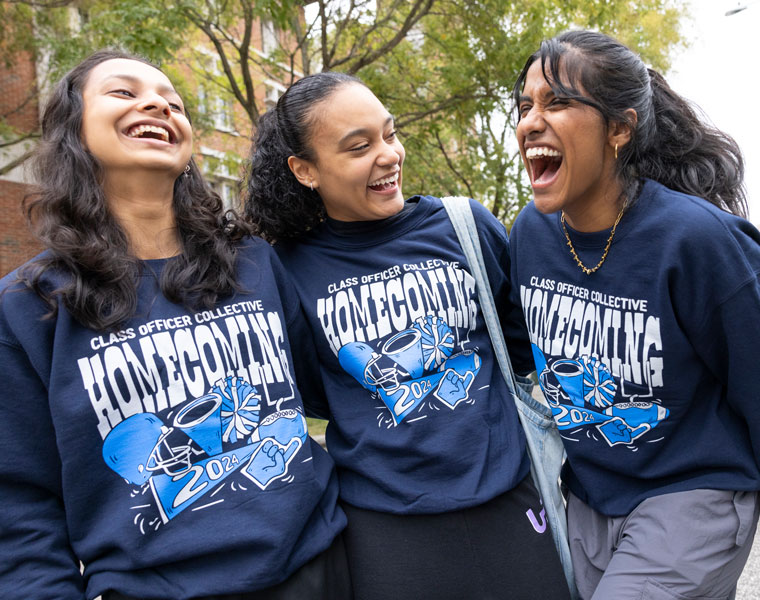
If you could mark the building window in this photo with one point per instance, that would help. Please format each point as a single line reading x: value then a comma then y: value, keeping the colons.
x: 227, y: 192
x: 269, y: 42
x: 216, y: 169
x: 273, y: 93
x: 213, y: 101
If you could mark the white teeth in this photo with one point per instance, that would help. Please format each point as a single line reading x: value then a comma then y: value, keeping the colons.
x: 141, y: 129
x: 542, y: 151
x: 390, y: 179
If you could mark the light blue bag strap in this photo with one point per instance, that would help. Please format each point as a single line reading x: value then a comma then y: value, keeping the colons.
x: 463, y: 221
x: 460, y: 214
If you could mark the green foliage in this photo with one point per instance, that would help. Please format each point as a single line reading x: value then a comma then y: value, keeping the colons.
x: 316, y: 427
x: 470, y: 55
x: 443, y: 67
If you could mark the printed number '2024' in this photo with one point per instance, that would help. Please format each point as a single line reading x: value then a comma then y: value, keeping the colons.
x: 213, y: 470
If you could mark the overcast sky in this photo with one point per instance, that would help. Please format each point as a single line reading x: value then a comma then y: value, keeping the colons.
x: 719, y: 71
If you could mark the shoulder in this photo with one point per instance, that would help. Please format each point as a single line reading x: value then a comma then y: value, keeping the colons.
x: 528, y: 221
x: 258, y: 262
x: 16, y: 281
x: 254, y: 246
x: 255, y: 252
x: 22, y: 310
x: 695, y: 222
x: 700, y: 241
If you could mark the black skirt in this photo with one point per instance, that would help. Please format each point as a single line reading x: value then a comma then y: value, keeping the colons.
x: 502, y: 549
x: 325, y: 577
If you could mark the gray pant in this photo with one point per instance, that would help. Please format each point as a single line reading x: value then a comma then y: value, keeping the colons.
x: 686, y: 545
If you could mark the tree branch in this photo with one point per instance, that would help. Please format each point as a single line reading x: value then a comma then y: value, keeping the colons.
x: 451, y: 165
x: 208, y: 29
x: 16, y: 162
x: 419, y: 10
x: 27, y: 136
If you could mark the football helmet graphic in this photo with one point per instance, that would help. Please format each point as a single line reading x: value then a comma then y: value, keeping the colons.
x: 140, y: 445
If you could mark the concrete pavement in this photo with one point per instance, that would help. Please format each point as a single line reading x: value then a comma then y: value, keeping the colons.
x: 749, y: 582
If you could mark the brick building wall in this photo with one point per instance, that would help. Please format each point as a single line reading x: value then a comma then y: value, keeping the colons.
x: 18, y: 109
x: 228, y: 137
x: 17, y: 245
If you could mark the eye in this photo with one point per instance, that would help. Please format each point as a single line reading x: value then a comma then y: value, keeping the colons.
x: 391, y: 135
x: 176, y: 107
x: 524, y: 109
x: 359, y: 148
x: 121, y: 92
x: 559, y: 102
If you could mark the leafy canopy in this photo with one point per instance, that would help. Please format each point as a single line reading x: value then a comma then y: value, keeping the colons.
x: 444, y: 68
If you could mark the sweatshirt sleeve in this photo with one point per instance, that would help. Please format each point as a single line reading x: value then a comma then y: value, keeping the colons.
x: 496, y: 254
x: 729, y: 344
x: 724, y: 323
x: 305, y: 361
x: 37, y: 559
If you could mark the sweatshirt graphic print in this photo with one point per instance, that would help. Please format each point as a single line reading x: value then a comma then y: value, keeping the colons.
x: 180, y: 407
x: 403, y: 334
x: 606, y: 387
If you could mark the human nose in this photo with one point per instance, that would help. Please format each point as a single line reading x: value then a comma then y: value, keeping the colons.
x: 531, y: 121
x: 390, y: 154
x: 155, y: 102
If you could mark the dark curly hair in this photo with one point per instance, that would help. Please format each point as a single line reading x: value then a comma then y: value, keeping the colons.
x: 68, y: 212
x: 276, y: 204
x: 670, y: 143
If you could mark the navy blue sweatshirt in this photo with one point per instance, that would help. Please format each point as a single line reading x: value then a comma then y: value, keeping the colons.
x: 171, y: 458
x: 649, y: 363
x: 420, y: 418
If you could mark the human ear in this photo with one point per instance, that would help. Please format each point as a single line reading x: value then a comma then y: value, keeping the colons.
x: 620, y: 132
x: 304, y: 171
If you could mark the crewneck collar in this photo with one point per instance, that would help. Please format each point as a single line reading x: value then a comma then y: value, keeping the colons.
x: 598, y: 239
x: 357, y: 234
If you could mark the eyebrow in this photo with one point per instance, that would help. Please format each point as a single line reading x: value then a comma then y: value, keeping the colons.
x: 364, y: 130
x: 543, y: 96
x: 163, y: 88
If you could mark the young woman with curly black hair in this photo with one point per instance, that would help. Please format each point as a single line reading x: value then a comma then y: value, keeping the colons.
x: 431, y: 457
x: 152, y: 438
x: 639, y: 282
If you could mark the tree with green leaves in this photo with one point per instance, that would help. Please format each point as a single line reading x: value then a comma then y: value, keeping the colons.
x: 443, y: 67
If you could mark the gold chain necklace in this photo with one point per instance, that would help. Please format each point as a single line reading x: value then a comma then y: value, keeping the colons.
x: 583, y: 267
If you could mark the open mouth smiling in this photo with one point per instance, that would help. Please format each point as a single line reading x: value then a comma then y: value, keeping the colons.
x: 544, y: 163
x: 155, y: 132
x: 384, y: 184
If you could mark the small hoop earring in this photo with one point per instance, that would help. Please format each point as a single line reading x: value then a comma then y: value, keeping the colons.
x: 616, y: 148
x: 187, y: 169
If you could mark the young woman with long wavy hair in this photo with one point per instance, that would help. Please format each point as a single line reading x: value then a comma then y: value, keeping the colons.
x: 152, y: 437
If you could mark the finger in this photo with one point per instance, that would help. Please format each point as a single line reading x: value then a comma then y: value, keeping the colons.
x: 292, y: 448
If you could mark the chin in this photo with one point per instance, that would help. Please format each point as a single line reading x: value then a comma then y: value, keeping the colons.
x: 546, y: 206
x: 395, y: 205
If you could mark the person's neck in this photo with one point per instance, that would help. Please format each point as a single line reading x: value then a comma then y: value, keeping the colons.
x: 143, y: 205
x: 599, y: 214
